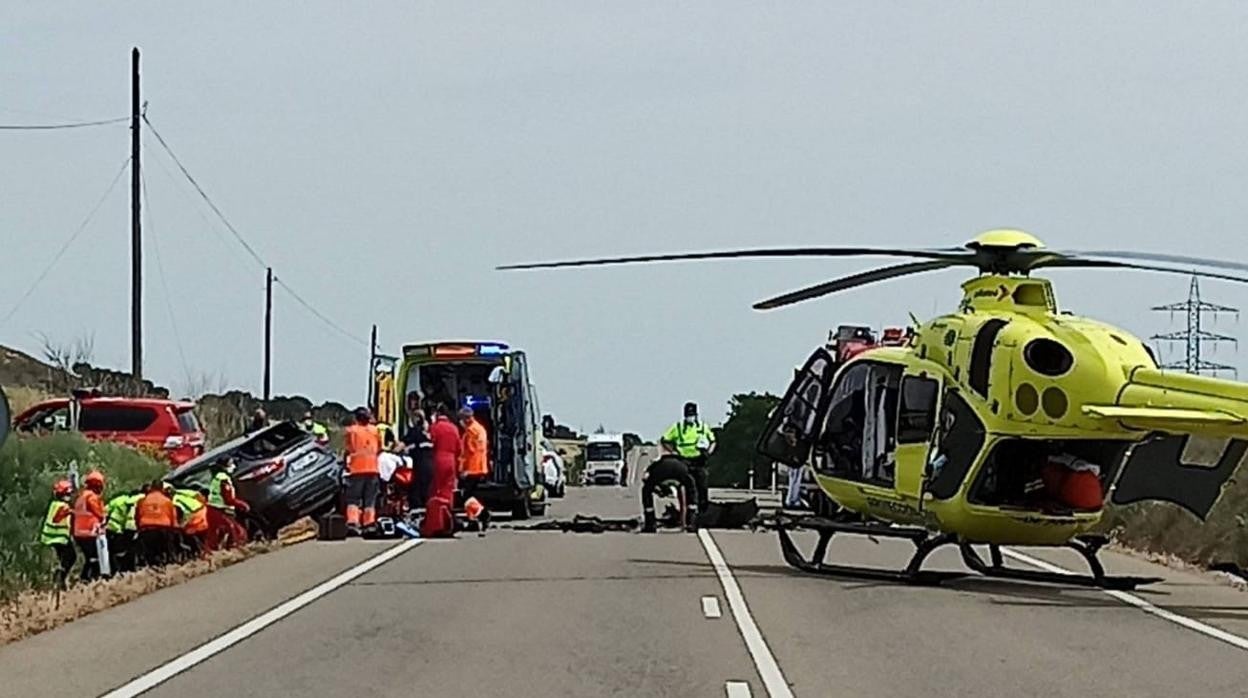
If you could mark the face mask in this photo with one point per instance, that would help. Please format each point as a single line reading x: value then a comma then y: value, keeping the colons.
x: 691, y: 420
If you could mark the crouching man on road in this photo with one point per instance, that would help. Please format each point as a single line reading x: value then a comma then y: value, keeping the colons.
x: 658, y: 476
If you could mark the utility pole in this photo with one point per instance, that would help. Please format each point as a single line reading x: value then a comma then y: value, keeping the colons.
x: 372, y: 368
x: 136, y: 230
x: 1195, y: 336
x: 268, y: 334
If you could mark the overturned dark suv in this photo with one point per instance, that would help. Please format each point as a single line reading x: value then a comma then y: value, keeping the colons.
x: 282, y: 473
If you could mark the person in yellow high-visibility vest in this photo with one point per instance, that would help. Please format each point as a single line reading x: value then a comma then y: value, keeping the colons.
x: 56, y: 530
x: 692, y: 440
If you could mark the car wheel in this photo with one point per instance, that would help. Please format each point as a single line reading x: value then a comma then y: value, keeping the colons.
x: 538, y: 509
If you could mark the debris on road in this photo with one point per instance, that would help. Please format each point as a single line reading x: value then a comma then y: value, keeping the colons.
x: 580, y: 524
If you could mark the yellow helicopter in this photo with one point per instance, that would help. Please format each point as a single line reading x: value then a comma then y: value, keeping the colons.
x: 966, y: 432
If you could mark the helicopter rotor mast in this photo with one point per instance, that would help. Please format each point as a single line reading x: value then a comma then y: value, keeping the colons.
x: 1000, y: 252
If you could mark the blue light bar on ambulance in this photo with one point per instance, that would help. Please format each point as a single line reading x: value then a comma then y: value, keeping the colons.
x: 491, y: 349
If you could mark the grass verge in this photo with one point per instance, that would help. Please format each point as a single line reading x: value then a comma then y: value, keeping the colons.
x: 35, y: 611
x: 28, y: 467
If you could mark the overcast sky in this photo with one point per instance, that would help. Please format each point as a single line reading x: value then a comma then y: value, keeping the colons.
x: 384, y: 157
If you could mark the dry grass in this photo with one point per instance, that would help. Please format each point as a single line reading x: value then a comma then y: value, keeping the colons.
x: 37, y: 611
x: 21, y: 398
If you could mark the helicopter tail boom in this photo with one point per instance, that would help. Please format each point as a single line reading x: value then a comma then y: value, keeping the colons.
x: 1178, y: 403
x: 1166, y: 419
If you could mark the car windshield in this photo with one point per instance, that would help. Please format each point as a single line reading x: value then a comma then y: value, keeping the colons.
x: 603, y: 451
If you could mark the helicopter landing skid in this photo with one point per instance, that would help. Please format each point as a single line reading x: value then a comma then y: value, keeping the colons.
x: 924, y: 544
x: 1087, y: 546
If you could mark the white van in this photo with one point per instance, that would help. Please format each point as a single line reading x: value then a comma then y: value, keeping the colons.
x: 604, y: 459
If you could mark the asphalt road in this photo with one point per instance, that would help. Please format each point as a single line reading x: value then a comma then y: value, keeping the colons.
x: 538, y: 614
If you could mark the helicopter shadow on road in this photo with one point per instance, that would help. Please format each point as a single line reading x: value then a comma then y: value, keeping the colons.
x: 997, y: 592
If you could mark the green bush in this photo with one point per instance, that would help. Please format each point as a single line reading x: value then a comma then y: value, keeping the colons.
x: 28, y: 468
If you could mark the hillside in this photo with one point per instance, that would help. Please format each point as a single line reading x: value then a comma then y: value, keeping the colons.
x: 27, y: 380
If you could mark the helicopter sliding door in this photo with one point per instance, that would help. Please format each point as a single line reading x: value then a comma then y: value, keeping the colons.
x: 1186, y: 470
x: 794, y: 424
x: 917, y: 407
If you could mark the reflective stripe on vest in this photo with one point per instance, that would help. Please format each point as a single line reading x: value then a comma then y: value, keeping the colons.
x: 215, y: 499
x: 55, y: 533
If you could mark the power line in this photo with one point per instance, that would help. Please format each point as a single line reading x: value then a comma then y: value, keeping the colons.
x: 345, y: 333
x: 81, y: 227
x: 204, y: 195
x: 198, y: 209
x: 52, y: 127
x: 254, y: 255
x: 160, y: 269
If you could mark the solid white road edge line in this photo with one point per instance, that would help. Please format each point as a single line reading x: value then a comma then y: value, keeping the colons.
x: 1133, y: 600
x: 737, y: 689
x: 766, y: 664
x: 710, y: 607
x: 180, y: 664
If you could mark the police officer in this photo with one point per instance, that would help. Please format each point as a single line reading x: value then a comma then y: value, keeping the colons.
x: 667, y: 469
x: 692, y: 441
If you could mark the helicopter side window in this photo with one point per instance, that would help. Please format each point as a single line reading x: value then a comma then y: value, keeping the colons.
x: 841, y: 441
x: 917, y: 416
x: 962, y: 437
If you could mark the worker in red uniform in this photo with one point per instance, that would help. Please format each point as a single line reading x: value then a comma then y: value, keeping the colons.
x: 447, y: 445
x: 362, y: 445
x: 88, y: 524
x: 56, y: 530
x: 157, y: 520
x: 224, y: 506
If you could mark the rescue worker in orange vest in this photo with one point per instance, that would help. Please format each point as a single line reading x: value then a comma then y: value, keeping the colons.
x: 89, y: 523
x: 474, y: 462
x: 56, y: 530
x: 362, y: 445
x: 157, y: 520
x: 193, y: 514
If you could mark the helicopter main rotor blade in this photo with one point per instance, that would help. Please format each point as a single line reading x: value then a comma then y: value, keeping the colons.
x: 846, y: 282
x: 1081, y: 262
x: 949, y: 255
x: 1166, y: 258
